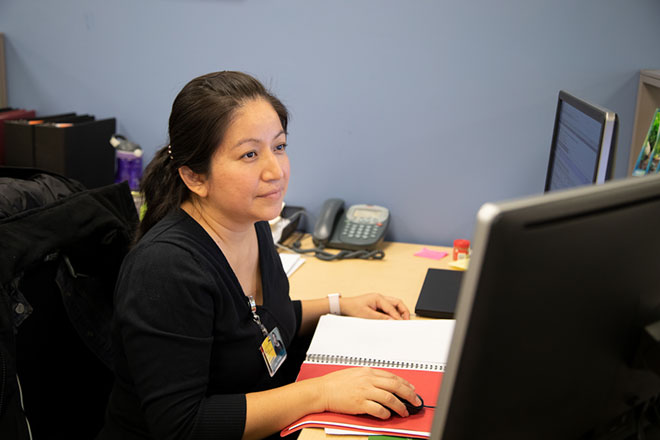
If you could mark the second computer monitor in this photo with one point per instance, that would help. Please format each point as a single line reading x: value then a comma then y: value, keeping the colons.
x: 583, y: 144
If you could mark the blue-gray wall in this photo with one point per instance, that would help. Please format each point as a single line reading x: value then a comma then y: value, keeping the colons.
x: 428, y: 107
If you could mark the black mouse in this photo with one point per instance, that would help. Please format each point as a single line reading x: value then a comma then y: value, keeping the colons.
x: 412, y: 409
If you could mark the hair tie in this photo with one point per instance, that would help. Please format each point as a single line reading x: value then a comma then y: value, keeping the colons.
x: 169, y: 152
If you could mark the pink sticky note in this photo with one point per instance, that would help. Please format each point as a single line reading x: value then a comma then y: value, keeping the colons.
x: 428, y: 253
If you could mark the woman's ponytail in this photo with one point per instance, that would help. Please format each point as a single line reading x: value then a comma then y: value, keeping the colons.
x: 163, y: 190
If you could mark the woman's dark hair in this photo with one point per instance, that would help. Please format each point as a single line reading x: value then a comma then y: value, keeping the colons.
x: 201, y: 113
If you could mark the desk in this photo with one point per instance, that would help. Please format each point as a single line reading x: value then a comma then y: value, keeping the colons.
x: 399, y: 274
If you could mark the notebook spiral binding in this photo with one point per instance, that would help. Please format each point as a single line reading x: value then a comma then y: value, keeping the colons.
x: 367, y: 362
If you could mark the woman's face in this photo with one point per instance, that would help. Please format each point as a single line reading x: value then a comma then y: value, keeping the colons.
x: 249, y: 172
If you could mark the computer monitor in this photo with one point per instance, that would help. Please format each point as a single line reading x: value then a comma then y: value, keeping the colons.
x: 583, y: 144
x: 549, y: 316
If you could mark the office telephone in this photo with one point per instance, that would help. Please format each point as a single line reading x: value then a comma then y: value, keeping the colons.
x: 359, y: 227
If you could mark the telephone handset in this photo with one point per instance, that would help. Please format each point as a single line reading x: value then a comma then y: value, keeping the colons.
x: 360, y: 227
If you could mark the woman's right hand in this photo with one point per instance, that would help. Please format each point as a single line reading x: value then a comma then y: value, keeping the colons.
x: 364, y: 390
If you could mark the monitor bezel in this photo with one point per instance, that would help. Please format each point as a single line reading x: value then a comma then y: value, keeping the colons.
x: 608, y: 121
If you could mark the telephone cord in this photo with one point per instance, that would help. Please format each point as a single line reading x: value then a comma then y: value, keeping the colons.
x: 322, y: 254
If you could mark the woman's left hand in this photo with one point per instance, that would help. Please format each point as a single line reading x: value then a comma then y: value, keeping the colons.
x: 374, y: 306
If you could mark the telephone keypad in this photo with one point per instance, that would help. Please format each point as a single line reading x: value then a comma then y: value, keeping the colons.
x: 361, y: 231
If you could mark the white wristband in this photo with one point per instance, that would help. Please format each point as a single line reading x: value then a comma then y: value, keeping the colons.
x: 333, y: 300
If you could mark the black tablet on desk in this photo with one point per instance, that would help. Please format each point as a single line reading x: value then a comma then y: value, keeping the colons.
x: 439, y: 293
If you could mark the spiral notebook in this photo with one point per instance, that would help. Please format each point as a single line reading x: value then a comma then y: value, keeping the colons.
x: 415, y: 350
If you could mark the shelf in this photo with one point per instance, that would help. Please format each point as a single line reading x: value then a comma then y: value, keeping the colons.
x: 3, y: 73
x: 648, y: 99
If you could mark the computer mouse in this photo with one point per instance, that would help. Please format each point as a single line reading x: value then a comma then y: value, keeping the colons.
x: 412, y: 409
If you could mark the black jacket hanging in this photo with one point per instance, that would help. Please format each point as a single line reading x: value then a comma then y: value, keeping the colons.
x: 59, y: 258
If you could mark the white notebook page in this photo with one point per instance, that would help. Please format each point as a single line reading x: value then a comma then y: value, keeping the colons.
x: 418, y: 341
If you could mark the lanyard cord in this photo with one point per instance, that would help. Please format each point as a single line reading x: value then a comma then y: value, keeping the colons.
x: 255, y: 317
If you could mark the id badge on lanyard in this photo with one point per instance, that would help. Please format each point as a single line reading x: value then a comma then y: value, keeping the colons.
x: 272, y: 348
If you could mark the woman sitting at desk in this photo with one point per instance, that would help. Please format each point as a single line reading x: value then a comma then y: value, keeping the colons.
x: 204, y: 287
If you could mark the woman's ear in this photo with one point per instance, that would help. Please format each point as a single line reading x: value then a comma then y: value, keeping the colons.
x: 195, y: 182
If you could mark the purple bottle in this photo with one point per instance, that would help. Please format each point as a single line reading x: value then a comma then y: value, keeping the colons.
x: 129, y: 161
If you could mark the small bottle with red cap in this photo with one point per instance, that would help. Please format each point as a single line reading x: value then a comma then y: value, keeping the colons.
x: 461, y: 249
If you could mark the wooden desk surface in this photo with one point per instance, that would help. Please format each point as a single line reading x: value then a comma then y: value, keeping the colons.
x: 399, y: 274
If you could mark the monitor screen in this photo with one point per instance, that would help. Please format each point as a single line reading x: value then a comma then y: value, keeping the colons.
x: 549, y: 316
x: 583, y: 144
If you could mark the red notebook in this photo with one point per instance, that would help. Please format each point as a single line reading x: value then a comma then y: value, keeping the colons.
x: 415, y: 350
